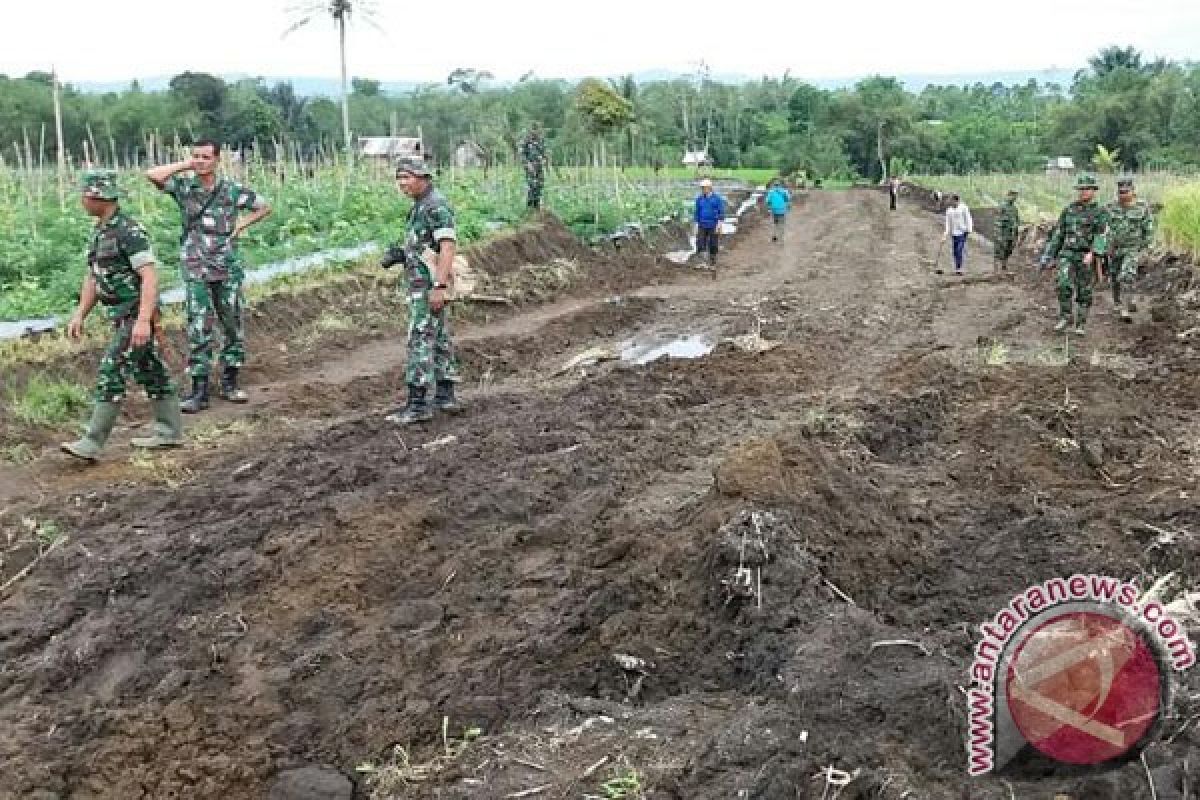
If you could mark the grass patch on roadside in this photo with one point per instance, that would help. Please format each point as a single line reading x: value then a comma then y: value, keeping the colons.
x: 396, y: 776
x: 1180, y: 219
x: 48, y: 402
x: 17, y: 454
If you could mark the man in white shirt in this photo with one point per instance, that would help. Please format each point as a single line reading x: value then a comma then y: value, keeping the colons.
x: 959, y: 226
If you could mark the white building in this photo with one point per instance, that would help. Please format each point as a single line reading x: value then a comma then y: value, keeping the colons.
x: 391, y: 147
x: 1060, y: 164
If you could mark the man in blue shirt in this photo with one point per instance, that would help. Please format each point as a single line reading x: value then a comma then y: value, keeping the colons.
x: 779, y: 200
x: 710, y: 211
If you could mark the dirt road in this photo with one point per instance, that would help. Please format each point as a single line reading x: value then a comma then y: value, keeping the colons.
x: 915, y: 450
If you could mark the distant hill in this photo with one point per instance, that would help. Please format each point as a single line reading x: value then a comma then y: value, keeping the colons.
x: 328, y: 87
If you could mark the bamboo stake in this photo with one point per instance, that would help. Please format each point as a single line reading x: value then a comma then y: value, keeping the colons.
x: 58, y: 136
x: 92, y: 141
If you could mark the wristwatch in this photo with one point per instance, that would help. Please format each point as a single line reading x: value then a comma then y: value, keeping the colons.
x: 440, y: 286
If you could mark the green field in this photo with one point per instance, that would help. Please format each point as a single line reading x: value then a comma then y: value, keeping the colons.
x: 41, y: 241
x: 1043, y: 196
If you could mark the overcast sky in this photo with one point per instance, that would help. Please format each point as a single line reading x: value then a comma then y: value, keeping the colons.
x: 121, y: 39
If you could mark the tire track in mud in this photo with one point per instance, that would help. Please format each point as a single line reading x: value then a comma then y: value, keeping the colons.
x: 319, y: 598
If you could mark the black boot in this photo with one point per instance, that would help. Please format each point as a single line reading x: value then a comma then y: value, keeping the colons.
x: 229, y: 386
x: 197, y: 401
x: 444, y: 399
x: 415, y: 410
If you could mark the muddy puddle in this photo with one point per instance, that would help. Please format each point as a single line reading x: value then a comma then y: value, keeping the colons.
x: 694, y: 345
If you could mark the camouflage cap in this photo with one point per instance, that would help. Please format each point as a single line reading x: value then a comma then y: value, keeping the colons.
x: 414, y: 166
x: 1013, y: 193
x: 1086, y: 181
x: 100, y: 184
x: 1125, y: 183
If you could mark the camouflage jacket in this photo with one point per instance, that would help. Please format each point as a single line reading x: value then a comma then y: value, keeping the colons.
x: 533, y: 150
x: 117, y: 252
x: 1082, y: 227
x: 430, y: 222
x: 208, y: 251
x: 1130, y: 228
x: 1008, y: 221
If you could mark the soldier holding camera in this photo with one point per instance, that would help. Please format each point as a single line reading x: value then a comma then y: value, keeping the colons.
x: 427, y: 254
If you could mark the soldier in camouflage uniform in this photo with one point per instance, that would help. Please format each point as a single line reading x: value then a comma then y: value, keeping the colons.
x: 121, y: 276
x: 427, y: 253
x: 1077, y: 240
x: 212, y: 266
x: 1130, y: 233
x: 533, y: 156
x: 1008, y: 227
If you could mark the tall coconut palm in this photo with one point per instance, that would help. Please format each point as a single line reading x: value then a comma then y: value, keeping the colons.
x: 340, y: 11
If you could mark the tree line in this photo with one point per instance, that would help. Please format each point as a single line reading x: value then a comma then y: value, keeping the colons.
x: 1121, y: 109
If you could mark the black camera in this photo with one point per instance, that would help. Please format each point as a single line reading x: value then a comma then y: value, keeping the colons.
x: 392, y: 256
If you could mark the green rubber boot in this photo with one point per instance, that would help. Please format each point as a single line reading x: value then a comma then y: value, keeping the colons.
x: 168, y: 425
x: 104, y: 417
x: 1081, y: 321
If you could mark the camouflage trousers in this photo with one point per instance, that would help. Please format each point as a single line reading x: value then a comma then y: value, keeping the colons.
x: 1075, y: 282
x: 122, y: 361
x: 1123, y: 268
x: 1122, y: 273
x: 1004, y: 246
x: 430, y: 351
x: 535, y: 179
x: 210, y: 302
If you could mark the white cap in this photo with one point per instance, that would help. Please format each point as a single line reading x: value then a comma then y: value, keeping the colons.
x: 706, y: 182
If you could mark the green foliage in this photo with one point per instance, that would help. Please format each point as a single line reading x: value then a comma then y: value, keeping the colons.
x: 603, y: 109
x: 1149, y: 111
x: 625, y: 784
x: 1179, y: 224
x: 42, y: 244
x: 1106, y: 160
x: 47, y: 402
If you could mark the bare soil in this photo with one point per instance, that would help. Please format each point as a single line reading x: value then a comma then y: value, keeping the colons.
x: 557, y: 566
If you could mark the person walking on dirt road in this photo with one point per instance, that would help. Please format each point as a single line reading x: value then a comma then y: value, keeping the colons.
x: 212, y: 265
x: 122, y: 277
x: 427, y: 253
x: 1077, y: 239
x: 779, y: 200
x: 959, y: 226
x: 1130, y: 233
x: 1008, y: 226
x: 533, y: 157
x: 893, y: 193
x: 708, y: 215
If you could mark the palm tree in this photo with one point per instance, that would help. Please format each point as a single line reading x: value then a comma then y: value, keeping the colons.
x: 340, y: 11
x: 469, y: 81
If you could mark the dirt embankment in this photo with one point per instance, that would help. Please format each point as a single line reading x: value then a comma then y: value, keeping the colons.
x: 293, y: 328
